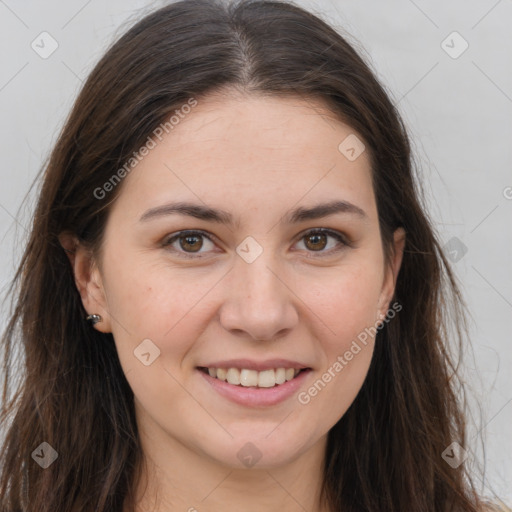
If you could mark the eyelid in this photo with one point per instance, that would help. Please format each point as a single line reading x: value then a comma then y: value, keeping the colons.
x: 168, y: 240
x: 342, y: 239
x: 327, y: 231
x: 337, y: 235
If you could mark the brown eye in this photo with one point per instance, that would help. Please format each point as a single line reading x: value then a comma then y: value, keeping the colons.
x: 316, y: 241
x: 191, y: 242
x: 188, y: 244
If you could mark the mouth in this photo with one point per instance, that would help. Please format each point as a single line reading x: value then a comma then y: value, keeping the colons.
x: 248, y: 378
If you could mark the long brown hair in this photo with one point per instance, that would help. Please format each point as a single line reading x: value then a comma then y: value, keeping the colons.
x: 385, y: 453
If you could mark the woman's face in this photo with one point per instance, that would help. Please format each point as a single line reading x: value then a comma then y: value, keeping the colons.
x: 256, y: 288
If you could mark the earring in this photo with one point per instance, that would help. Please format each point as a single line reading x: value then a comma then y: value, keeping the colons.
x: 94, y: 319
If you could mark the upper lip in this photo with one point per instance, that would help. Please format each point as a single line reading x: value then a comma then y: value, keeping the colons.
x: 251, y: 364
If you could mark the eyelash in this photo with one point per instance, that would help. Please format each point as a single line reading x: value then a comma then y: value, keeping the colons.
x: 334, y: 234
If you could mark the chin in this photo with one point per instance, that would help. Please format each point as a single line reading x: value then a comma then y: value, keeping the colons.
x: 265, y: 449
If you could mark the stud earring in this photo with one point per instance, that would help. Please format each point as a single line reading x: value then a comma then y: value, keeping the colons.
x: 94, y: 319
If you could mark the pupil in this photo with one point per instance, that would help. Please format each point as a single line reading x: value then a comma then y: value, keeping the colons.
x: 189, y: 239
x: 317, y: 236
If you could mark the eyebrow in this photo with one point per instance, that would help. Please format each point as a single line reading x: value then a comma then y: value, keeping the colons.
x: 294, y: 216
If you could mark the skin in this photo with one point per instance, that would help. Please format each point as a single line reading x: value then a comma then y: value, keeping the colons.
x: 256, y: 157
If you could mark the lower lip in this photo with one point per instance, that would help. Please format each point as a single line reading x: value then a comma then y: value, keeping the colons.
x: 256, y: 397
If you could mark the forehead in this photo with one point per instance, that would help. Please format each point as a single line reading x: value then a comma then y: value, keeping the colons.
x: 236, y: 124
x: 252, y: 151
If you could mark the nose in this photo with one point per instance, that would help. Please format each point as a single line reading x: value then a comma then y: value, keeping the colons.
x: 258, y: 302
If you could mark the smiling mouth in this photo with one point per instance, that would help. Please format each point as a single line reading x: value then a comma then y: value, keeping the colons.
x: 243, y: 377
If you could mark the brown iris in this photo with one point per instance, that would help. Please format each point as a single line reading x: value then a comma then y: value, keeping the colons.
x: 319, y: 241
x: 194, y: 242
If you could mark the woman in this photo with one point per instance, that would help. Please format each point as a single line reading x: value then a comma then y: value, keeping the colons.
x: 232, y: 294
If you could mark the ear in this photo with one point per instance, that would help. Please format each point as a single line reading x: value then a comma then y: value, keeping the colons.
x: 391, y: 273
x: 87, y: 279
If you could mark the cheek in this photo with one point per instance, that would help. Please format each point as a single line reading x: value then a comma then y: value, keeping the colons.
x: 347, y: 305
x: 153, y: 301
x: 345, y: 301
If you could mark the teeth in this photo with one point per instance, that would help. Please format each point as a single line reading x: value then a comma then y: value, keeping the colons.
x: 248, y: 378
x: 253, y: 378
x: 280, y: 376
x: 233, y: 376
x: 267, y: 379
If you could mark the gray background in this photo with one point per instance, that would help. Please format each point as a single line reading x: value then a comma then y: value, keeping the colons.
x: 458, y: 111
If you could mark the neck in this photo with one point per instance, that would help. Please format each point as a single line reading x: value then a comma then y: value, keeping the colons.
x: 175, y: 478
